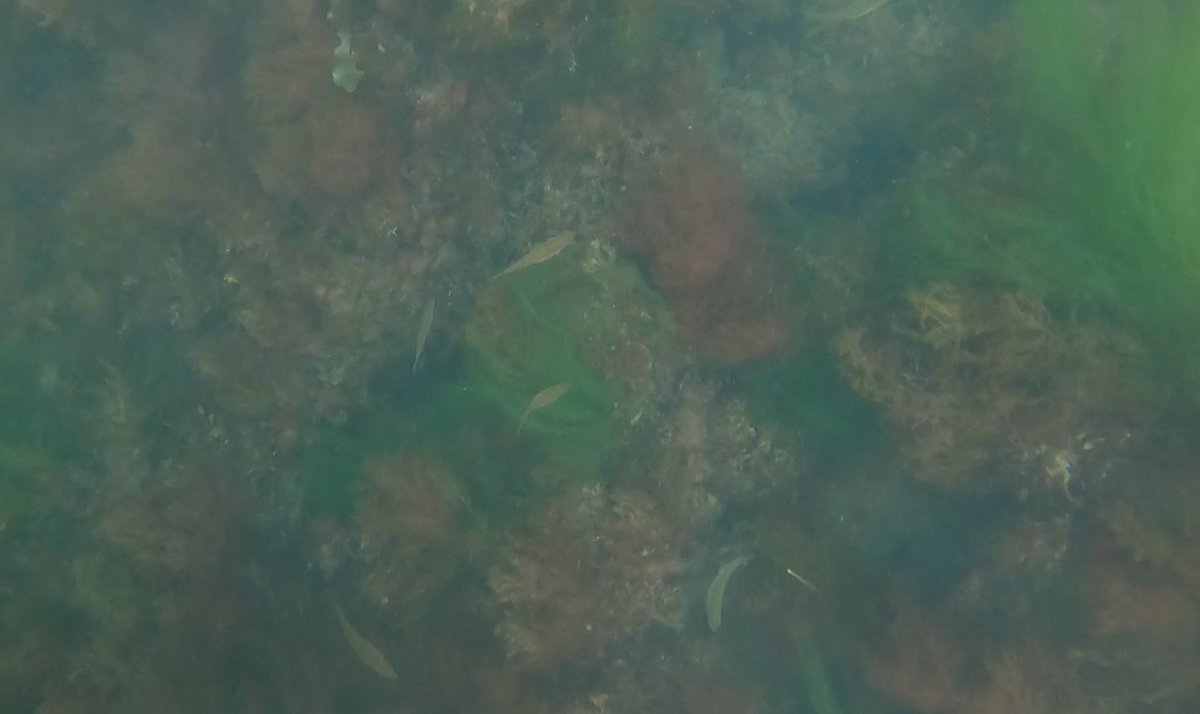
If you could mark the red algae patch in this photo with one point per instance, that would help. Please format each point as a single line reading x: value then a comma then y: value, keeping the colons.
x: 704, y: 249
x: 347, y: 144
x: 694, y: 227
x: 745, y: 338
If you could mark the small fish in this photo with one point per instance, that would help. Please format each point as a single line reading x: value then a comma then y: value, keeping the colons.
x: 368, y: 653
x: 423, y: 331
x: 802, y: 580
x: 850, y: 10
x: 543, y: 399
x: 715, y: 602
x: 540, y: 253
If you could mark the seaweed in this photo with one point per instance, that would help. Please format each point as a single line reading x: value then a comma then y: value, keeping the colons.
x: 1090, y: 200
x: 580, y: 320
x: 807, y: 393
x: 821, y: 697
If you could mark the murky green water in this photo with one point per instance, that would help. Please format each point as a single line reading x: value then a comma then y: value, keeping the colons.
x: 529, y: 356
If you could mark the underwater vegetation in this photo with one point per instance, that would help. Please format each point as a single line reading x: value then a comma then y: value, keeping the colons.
x: 980, y: 377
x: 807, y: 394
x: 564, y: 352
x: 596, y: 583
x: 568, y: 351
x: 339, y: 459
x: 707, y: 253
x: 1091, y: 201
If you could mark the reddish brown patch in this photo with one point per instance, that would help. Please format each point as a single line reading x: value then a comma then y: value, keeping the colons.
x: 347, y: 143
x: 744, y: 338
x: 410, y: 500
x: 920, y: 665
x: 706, y: 252
x: 694, y: 227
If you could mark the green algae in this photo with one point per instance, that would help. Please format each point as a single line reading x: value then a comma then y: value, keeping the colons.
x: 345, y: 72
x: 580, y: 320
x: 817, y: 684
x: 1094, y: 207
x: 806, y: 393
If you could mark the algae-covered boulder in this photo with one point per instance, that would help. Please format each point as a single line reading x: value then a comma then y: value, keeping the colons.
x: 582, y: 326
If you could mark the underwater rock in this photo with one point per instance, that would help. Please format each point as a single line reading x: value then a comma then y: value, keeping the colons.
x: 585, y: 334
